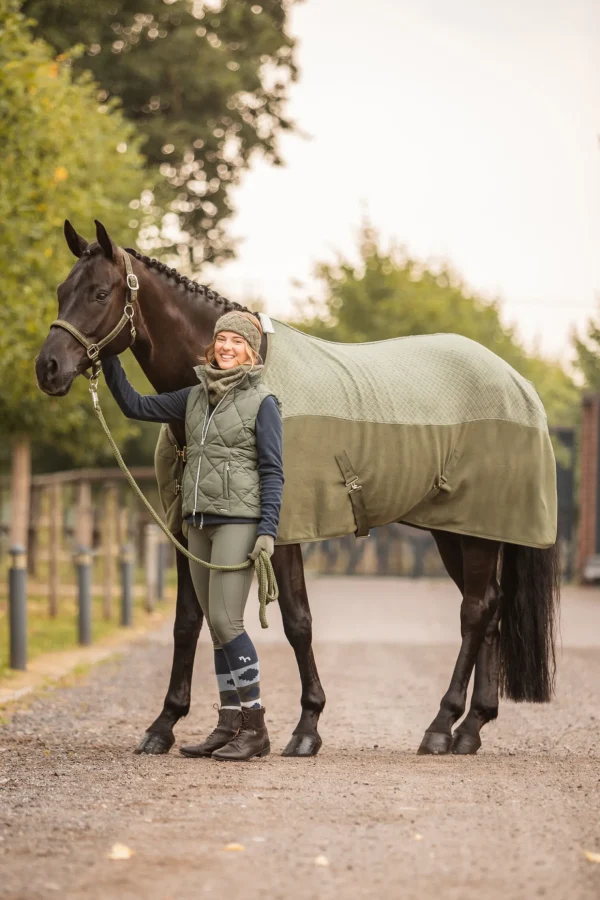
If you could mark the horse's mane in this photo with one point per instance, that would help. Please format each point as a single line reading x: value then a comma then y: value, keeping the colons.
x: 190, y: 286
x: 193, y: 287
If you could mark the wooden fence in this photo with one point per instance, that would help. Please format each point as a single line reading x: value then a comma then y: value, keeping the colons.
x: 87, y: 538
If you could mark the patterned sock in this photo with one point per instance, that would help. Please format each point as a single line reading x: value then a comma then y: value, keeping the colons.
x: 243, y: 665
x: 228, y: 695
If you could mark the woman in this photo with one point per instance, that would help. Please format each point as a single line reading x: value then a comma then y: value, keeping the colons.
x: 232, y: 489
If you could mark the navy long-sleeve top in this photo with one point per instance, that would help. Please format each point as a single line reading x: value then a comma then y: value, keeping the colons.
x: 171, y: 406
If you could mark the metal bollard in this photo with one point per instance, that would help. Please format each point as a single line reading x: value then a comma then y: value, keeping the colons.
x: 17, y: 594
x: 127, y: 566
x: 83, y: 561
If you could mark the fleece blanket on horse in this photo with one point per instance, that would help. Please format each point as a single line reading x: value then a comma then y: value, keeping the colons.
x: 435, y: 431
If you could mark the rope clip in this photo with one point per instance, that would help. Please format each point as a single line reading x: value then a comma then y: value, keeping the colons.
x: 94, y: 383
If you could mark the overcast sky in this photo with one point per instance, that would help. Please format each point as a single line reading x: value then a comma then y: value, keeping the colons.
x: 467, y: 130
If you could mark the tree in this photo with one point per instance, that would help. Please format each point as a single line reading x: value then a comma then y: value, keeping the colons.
x: 587, y: 358
x: 389, y: 293
x: 63, y: 154
x: 204, y: 83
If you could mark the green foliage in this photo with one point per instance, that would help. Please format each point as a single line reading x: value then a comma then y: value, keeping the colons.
x: 64, y: 154
x: 587, y: 359
x: 204, y: 83
x: 390, y: 294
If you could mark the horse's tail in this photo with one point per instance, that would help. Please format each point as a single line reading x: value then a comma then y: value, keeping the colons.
x: 529, y: 612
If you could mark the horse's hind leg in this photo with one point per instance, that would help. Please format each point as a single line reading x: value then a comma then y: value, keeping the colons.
x: 478, y: 609
x: 484, y: 702
x: 159, y: 737
x: 297, y: 624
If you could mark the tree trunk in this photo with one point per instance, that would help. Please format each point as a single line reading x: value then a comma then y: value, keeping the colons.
x: 20, y: 488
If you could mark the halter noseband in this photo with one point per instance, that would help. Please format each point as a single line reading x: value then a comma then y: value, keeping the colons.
x: 93, y: 349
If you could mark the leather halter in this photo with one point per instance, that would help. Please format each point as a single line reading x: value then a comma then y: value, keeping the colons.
x: 93, y: 349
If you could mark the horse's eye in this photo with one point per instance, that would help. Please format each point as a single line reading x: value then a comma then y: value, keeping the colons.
x: 101, y: 296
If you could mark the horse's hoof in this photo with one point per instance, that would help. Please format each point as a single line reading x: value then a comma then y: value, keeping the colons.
x: 303, y: 745
x: 464, y: 744
x: 434, y: 744
x: 154, y: 743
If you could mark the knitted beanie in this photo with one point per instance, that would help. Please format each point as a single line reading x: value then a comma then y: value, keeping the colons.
x: 242, y: 323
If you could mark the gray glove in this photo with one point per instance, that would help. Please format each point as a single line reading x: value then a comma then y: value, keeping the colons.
x: 263, y: 542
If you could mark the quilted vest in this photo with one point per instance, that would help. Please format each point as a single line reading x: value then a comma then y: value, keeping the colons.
x: 221, y: 476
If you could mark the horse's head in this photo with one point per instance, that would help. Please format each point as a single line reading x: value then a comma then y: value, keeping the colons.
x: 92, y: 300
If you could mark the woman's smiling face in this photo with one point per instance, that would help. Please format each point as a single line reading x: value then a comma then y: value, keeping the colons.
x: 230, y: 350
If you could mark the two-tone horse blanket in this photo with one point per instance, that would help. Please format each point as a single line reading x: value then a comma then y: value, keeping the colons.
x: 434, y: 430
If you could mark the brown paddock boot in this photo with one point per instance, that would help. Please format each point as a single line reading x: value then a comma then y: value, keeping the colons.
x: 230, y: 722
x: 251, y: 740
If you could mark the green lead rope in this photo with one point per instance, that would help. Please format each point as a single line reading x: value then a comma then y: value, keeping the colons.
x: 268, y: 590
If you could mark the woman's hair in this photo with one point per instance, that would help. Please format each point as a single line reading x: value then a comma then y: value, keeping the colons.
x: 209, y: 356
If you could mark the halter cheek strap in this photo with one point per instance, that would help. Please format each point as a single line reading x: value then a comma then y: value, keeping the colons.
x: 93, y: 349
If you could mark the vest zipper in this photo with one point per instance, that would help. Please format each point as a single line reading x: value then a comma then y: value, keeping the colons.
x: 207, y: 420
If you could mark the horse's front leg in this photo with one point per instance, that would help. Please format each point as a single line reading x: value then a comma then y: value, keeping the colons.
x: 297, y: 624
x: 159, y: 737
x: 478, y: 609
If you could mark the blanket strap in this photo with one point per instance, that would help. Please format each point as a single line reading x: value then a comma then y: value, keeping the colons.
x: 355, y: 494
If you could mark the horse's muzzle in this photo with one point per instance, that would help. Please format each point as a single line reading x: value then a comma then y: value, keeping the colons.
x: 53, y: 378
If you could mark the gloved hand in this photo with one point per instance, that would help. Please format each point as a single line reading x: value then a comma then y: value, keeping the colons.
x: 263, y: 542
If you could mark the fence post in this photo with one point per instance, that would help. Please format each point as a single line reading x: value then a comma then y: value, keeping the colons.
x: 108, y: 540
x: 84, y: 529
x: 55, y: 514
x: 150, y: 565
x: 127, y: 567
x: 83, y: 560
x: 35, y: 508
x: 160, y: 565
x: 17, y: 594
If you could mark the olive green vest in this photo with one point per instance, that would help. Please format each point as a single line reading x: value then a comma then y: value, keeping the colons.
x: 221, y: 476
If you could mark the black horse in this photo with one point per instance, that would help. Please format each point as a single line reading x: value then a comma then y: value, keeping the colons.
x: 510, y: 593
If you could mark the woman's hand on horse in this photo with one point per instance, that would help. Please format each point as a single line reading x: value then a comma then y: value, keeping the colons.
x: 263, y: 542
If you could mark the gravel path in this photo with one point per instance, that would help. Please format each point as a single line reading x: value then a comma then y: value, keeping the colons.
x: 366, y: 818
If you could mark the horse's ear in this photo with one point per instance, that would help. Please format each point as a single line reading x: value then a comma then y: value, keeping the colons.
x: 76, y: 243
x: 110, y: 249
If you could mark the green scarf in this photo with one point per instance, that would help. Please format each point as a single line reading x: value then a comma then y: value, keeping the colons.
x: 220, y: 381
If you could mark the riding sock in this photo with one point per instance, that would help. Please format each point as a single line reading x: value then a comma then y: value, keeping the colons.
x: 243, y: 665
x: 228, y: 694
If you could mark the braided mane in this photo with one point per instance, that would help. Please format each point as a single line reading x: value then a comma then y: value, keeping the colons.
x: 191, y: 286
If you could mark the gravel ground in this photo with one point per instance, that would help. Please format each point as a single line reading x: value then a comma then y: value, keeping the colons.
x: 366, y: 818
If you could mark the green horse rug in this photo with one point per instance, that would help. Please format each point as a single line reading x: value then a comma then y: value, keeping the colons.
x: 435, y: 431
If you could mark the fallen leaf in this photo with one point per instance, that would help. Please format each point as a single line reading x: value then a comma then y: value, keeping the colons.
x: 234, y: 848
x: 591, y: 857
x: 120, y: 851
x: 321, y: 861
